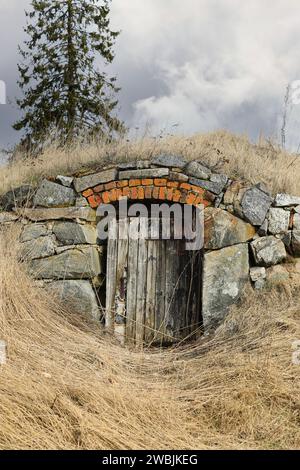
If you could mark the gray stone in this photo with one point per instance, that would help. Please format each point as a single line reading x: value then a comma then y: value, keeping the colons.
x: 260, y: 284
x: 225, y: 275
x: 286, y: 238
x: 18, y: 197
x: 176, y: 176
x: 70, y: 233
x: 216, y: 185
x: 81, y: 202
x: 197, y: 170
x: 68, y: 213
x: 33, y: 231
x: 297, y: 209
x: 286, y: 200
x: 134, y: 165
x: 169, y: 161
x: 7, y: 217
x: 296, y: 242
x: 38, y: 248
x: 51, y: 194
x: 90, y: 181
x: 279, y: 220
x: 268, y: 251
x: 65, y: 180
x: 78, y: 263
x: 78, y: 296
x: 255, y: 205
x: 296, y: 221
x: 257, y: 273
x: 262, y: 187
x: 147, y: 173
x: 223, y: 229
x: 263, y: 229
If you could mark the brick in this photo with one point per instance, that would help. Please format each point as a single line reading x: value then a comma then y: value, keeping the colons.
x: 190, y: 199
x: 185, y: 186
x: 99, y: 188
x: 172, y: 184
x: 176, y: 195
x: 199, y: 200
x: 110, y: 185
x: 88, y: 193
x: 134, y: 193
x: 170, y: 194
x: 160, y: 182
x: 162, y: 193
x: 122, y: 184
x: 113, y: 195
x: 148, y: 192
x: 141, y: 192
x: 126, y: 191
x: 134, y: 182
x: 147, y: 182
x: 197, y: 189
x: 106, y: 197
x: 94, y: 200
x: 155, y: 192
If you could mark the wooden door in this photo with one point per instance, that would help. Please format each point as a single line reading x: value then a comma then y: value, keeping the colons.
x: 153, y: 286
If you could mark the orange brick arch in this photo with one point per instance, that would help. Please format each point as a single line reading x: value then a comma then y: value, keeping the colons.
x: 161, y: 189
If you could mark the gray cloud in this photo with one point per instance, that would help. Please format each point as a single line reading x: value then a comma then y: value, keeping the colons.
x: 204, y: 64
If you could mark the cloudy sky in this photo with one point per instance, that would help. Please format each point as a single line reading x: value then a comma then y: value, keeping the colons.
x: 198, y: 64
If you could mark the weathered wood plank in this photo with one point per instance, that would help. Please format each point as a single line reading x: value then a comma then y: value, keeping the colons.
x: 160, y: 292
x: 141, y: 284
x: 121, y: 280
x: 133, y: 249
x: 150, y: 291
x: 111, y: 271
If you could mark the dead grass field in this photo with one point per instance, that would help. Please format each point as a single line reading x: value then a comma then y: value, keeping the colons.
x: 67, y: 386
x: 234, y: 155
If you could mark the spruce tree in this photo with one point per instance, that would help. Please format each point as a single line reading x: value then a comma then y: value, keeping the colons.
x: 62, y: 87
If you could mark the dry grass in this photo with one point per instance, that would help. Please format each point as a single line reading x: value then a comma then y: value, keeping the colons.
x: 67, y: 386
x: 230, y: 154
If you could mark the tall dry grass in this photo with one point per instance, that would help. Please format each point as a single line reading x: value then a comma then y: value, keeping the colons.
x: 68, y: 386
x: 234, y: 155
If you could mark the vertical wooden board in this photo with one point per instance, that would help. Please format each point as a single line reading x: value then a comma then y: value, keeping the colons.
x: 183, y: 287
x: 111, y: 270
x: 121, y: 280
x: 141, y: 284
x: 171, y: 291
x: 150, y: 290
x: 133, y: 249
x: 160, y: 292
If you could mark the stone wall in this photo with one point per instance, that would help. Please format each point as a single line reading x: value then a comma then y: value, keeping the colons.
x: 247, y: 231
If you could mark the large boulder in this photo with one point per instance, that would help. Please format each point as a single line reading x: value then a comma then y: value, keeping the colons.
x: 51, y: 194
x: 225, y: 275
x: 78, y: 296
x: 268, y: 251
x: 224, y: 229
x: 279, y: 220
x: 71, y: 233
x: 215, y: 185
x: 78, y: 263
x: 38, y: 248
x: 255, y: 205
